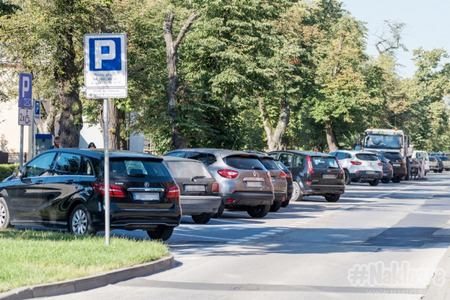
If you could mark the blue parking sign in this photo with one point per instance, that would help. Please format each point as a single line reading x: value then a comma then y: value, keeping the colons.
x: 25, y: 90
x: 105, y: 65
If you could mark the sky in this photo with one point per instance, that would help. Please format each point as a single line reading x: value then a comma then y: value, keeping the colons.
x: 427, y: 25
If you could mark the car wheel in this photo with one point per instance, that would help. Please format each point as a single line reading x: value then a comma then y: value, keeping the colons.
x: 347, y: 178
x: 202, y: 218
x: 219, y: 212
x: 275, y: 206
x: 440, y: 171
x: 385, y: 180
x: 395, y: 179
x: 4, y: 214
x: 285, y: 203
x: 332, y: 197
x: 296, y: 192
x: 80, y: 221
x: 374, y: 182
x: 161, y: 233
x: 259, y: 211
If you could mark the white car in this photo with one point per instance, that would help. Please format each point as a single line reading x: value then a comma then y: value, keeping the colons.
x: 360, y: 166
x: 422, y: 156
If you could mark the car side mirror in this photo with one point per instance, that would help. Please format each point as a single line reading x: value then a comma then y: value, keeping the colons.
x: 19, y: 173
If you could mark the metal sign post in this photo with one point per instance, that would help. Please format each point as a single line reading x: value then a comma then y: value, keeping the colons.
x: 105, y: 76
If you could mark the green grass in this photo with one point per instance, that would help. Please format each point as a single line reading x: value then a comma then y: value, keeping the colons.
x: 30, y: 257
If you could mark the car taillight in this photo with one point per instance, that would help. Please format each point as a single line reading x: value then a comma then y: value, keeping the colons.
x: 309, y: 163
x: 228, y: 173
x: 380, y: 163
x: 288, y: 175
x: 282, y: 174
x: 173, y: 192
x: 114, y: 190
x: 390, y: 167
x: 356, y: 163
x: 215, y: 187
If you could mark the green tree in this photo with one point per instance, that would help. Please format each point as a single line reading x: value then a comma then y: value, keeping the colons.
x: 46, y: 39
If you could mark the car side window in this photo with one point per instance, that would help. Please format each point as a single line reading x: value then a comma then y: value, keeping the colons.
x: 86, y: 167
x: 206, y: 158
x: 286, y: 159
x: 40, y: 166
x: 298, y: 161
x: 68, y: 164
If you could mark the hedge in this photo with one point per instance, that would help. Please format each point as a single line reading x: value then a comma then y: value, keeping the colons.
x: 7, y: 169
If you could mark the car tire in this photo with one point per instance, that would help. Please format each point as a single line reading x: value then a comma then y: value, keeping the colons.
x: 80, y: 221
x: 275, y: 206
x: 219, y: 212
x: 332, y: 197
x: 202, y: 218
x: 285, y: 203
x: 440, y: 171
x: 161, y: 233
x: 385, y: 180
x: 4, y: 214
x: 395, y: 179
x: 347, y: 178
x: 259, y: 211
x: 374, y: 182
x: 296, y: 192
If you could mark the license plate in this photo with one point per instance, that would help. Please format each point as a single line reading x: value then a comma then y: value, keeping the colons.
x: 329, y: 176
x: 194, y: 188
x: 254, y: 184
x: 146, y: 196
x: 370, y: 172
x: 396, y: 165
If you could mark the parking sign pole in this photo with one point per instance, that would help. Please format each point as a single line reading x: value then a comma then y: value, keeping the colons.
x: 107, y: 199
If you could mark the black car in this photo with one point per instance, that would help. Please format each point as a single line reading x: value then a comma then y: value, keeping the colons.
x: 313, y: 173
x: 398, y: 163
x: 199, y: 191
x: 65, y: 188
x: 290, y: 186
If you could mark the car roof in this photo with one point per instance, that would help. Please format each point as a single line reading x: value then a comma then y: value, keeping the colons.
x: 215, y: 151
x: 310, y: 153
x: 99, y: 153
x: 356, y: 152
x: 176, y: 158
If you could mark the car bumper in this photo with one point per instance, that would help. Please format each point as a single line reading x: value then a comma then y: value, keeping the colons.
x: 366, y: 176
x: 247, y: 199
x: 195, y: 205
x: 324, y: 189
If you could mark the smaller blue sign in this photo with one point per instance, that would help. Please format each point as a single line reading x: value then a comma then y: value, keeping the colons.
x: 25, y: 90
x: 37, y: 108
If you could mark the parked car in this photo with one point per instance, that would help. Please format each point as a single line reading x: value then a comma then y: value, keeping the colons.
x: 436, y: 164
x: 398, y: 163
x: 199, y: 191
x: 65, y: 188
x: 424, y: 157
x: 388, y: 170
x: 313, y: 173
x: 243, y: 180
x: 360, y: 166
x: 290, y: 186
x: 446, y: 161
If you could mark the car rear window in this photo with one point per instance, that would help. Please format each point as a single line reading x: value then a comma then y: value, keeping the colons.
x: 444, y: 158
x: 365, y: 156
x: 244, y: 163
x: 269, y: 164
x: 324, y: 162
x: 138, y: 168
x: 186, y: 169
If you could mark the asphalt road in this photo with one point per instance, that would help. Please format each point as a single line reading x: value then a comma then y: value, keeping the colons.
x: 383, y: 242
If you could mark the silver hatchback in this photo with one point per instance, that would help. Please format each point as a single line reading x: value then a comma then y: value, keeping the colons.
x: 245, y: 184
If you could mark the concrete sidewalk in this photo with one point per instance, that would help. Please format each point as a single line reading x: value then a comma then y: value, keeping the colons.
x: 90, y: 282
x: 439, y: 288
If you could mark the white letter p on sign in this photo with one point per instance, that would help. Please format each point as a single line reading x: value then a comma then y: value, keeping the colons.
x: 25, y: 85
x: 99, y: 56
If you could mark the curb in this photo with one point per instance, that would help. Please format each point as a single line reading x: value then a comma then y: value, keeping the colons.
x: 89, y: 282
x: 439, y: 288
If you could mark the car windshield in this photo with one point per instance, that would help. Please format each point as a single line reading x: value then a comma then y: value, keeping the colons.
x: 375, y: 141
x: 444, y: 158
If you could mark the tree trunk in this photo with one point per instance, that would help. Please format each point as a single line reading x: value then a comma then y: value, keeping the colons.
x: 116, y: 119
x: 178, y: 139
x: 274, y: 137
x: 331, y: 137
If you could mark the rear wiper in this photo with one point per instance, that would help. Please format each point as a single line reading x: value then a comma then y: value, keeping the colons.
x: 197, y: 177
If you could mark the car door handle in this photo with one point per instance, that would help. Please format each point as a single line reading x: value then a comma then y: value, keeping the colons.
x: 39, y: 181
x: 70, y: 181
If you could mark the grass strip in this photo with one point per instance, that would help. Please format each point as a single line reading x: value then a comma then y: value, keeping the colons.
x: 31, y: 257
